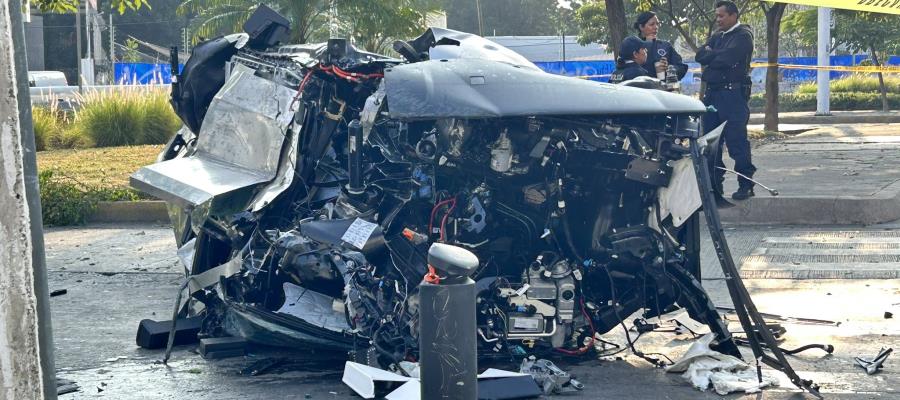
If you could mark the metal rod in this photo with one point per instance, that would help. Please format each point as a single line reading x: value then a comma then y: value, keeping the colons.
x: 773, y: 192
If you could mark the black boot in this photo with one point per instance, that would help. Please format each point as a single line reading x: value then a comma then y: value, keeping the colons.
x: 743, y: 193
x: 721, y: 202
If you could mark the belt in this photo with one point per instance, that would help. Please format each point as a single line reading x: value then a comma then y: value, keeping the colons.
x: 724, y: 86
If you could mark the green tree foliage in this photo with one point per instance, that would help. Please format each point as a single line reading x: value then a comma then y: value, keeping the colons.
x: 511, y: 17
x: 210, y: 18
x: 67, y: 6
x: 878, y: 34
x: 592, y: 23
x: 369, y: 22
x: 372, y: 24
x: 799, y: 29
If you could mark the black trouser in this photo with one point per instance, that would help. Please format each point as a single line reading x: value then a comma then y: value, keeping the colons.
x: 732, y: 107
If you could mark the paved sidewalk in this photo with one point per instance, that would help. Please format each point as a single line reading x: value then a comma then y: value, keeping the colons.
x: 841, y: 174
x: 836, y: 117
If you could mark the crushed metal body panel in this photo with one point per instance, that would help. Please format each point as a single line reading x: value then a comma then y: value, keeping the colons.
x: 238, y: 146
x: 306, y: 203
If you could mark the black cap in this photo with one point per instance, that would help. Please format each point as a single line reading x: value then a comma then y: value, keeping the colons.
x: 630, y: 45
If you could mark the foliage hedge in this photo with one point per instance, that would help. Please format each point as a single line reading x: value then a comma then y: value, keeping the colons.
x: 129, y: 116
x: 857, y: 83
x: 840, y: 101
x: 132, y: 115
x: 66, y: 201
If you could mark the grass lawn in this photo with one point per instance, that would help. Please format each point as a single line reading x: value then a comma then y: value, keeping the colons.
x: 106, y: 167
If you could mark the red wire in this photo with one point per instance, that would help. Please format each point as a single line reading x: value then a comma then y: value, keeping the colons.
x: 434, y: 211
x: 447, y: 215
x: 350, y: 76
x: 302, y: 85
x: 589, y: 345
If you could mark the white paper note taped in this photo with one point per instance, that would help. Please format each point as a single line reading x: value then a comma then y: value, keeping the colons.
x: 358, y: 233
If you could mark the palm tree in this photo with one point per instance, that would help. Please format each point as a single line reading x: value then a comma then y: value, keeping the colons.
x: 370, y: 23
x: 215, y: 17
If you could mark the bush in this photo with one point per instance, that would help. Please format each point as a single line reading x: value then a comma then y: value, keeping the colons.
x: 846, y: 101
x: 46, y: 125
x: 160, y: 121
x: 856, y: 83
x: 65, y: 201
x: 125, y: 117
x: 110, y: 118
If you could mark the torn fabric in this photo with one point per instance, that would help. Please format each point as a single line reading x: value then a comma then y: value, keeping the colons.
x: 705, y: 368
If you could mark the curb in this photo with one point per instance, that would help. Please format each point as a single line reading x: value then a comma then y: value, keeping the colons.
x: 841, y: 210
x: 130, y: 211
x: 811, y: 119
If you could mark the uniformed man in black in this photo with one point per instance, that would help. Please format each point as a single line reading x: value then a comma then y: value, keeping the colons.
x: 660, y: 53
x: 632, y: 53
x: 726, y: 61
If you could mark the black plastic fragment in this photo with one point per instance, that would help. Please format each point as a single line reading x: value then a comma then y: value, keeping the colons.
x: 518, y: 387
x: 222, y: 347
x: 154, y: 334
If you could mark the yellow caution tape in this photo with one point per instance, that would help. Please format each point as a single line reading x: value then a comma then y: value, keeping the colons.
x: 879, y: 6
x: 842, y: 68
x: 888, y: 69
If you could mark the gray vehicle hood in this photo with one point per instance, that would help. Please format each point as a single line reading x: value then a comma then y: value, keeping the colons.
x: 480, y: 88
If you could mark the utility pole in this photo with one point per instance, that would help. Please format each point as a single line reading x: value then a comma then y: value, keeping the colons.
x: 26, y: 342
x: 823, y: 77
x: 480, y: 19
x: 112, y: 51
x: 78, y: 45
x: 87, y: 27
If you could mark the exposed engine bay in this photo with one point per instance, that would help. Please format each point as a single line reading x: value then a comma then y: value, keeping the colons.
x: 310, y: 180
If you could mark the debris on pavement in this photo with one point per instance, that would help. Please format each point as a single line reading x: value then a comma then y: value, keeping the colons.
x: 114, y: 359
x: 154, y: 334
x: 58, y: 292
x: 223, y: 347
x: 873, y: 365
x: 793, y: 320
x: 64, y: 386
x: 370, y: 382
x: 549, y: 377
x: 705, y: 368
x: 888, y: 315
x: 262, y: 366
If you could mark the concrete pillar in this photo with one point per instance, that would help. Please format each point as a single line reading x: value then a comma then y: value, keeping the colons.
x: 26, y: 353
x: 823, y: 78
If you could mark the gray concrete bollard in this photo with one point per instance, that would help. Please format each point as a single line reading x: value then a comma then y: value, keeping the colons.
x: 448, y: 358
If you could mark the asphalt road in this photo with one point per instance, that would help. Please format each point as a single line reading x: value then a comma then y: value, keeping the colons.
x: 117, y: 275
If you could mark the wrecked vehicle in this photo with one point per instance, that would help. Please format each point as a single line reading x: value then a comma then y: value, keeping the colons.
x: 310, y: 180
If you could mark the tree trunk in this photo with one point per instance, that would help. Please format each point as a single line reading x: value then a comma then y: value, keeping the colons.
x: 773, y: 29
x: 615, y: 14
x: 884, y: 101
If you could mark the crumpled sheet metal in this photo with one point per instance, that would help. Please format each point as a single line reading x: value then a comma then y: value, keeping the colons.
x: 312, y: 307
x: 238, y: 146
x: 705, y: 368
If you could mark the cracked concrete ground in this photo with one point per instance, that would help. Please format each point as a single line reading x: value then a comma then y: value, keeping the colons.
x: 118, y: 275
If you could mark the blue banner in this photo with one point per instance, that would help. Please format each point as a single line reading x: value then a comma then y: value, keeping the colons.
x: 143, y: 73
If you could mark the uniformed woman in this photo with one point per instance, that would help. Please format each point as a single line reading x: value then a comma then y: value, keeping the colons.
x: 660, y: 53
x: 632, y: 53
